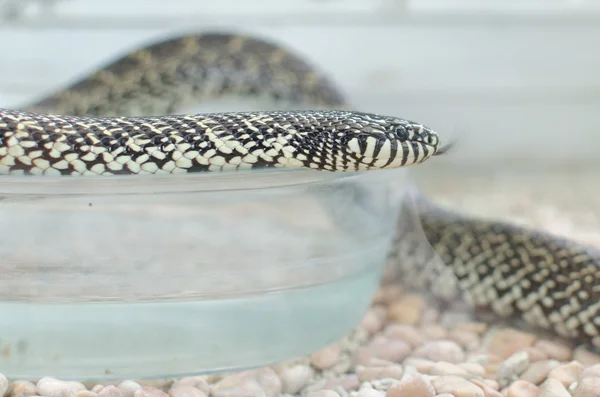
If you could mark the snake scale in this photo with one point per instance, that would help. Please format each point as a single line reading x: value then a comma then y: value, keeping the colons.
x: 106, y: 124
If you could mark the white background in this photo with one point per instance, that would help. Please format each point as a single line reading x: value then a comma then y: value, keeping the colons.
x: 514, y: 79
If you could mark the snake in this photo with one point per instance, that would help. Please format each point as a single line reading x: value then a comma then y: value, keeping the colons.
x: 122, y: 119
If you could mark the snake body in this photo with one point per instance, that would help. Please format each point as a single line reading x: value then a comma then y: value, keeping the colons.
x: 107, y: 123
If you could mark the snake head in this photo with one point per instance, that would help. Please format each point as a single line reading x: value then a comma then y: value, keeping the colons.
x: 393, y: 143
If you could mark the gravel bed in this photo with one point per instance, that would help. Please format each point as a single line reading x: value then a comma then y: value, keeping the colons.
x: 401, y: 348
x: 406, y: 347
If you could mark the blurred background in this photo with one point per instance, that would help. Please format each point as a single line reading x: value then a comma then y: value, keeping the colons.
x: 516, y: 81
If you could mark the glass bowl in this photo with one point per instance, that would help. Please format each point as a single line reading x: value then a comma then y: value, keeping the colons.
x: 160, y: 276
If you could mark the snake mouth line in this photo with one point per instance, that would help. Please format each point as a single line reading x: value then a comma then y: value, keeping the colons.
x: 444, y: 149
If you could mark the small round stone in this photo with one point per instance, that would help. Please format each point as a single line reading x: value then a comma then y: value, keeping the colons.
x: 323, y: 393
x: 412, y: 386
x: 407, y: 310
x: 128, y: 388
x: 186, y: 391
x: 264, y: 381
x: 346, y: 382
x: 555, y: 350
x: 434, y: 332
x: 85, y: 393
x: 591, y: 371
x: 97, y: 388
x: 422, y: 365
x: 473, y: 369
x: 456, y: 386
x: 587, y: 387
x: 52, y: 387
x: 537, y: 372
x: 382, y: 348
x: 373, y: 320
x: 522, y: 388
x: 475, y: 327
x: 405, y: 333
x: 149, y: 392
x: 199, y: 382
x: 443, y: 350
x: 567, y: 373
x: 488, y: 391
x: 366, y: 374
x: 326, y: 357
x: 512, y: 367
x: 387, y: 294
x: 507, y: 342
x: 585, y: 356
x: 20, y: 388
x: 294, y: 378
x: 367, y: 392
x: 468, y: 340
x: 553, y: 388
x: 446, y: 368
x: 536, y: 354
x: 110, y: 391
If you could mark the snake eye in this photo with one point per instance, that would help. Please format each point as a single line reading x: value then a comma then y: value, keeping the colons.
x: 400, y: 132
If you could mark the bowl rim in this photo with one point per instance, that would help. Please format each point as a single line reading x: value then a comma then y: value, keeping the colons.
x: 223, y: 181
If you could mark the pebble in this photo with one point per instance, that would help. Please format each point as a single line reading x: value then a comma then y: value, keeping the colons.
x: 456, y: 386
x: 473, y: 369
x: 537, y: 372
x: 468, y: 340
x: 52, y: 387
x: 488, y: 391
x: 443, y: 350
x: 322, y: 393
x: 326, y: 357
x: 294, y: 378
x: 97, y: 388
x: 387, y: 294
x: 20, y: 388
x: 446, y: 368
x: 186, y: 391
x: 86, y: 393
x: 346, y: 382
x: 553, y: 388
x: 567, y: 373
x: 367, y: 392
x: 110, y: 391
x: 263, y: 380
x: 587, y: 387
x: 148, y: 391
x: 198, y: 382
x: 374, y: 320
x: 591, y: 371
x: 522, y: 388
x: 512, y: 367
x: 555, y: 350
x: 444, y: 395
x: 382, y: 348
x: 128, y: 388
x: 475, y: 327
x: 508, y: 341
x: 405, y: 333
x: 407, y: 310
x: 536, y: 354
x: 422, y: 365
x: 366, y: 374
x: 585, y: 356
x: 412, y: 386
x: 434, y: 332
